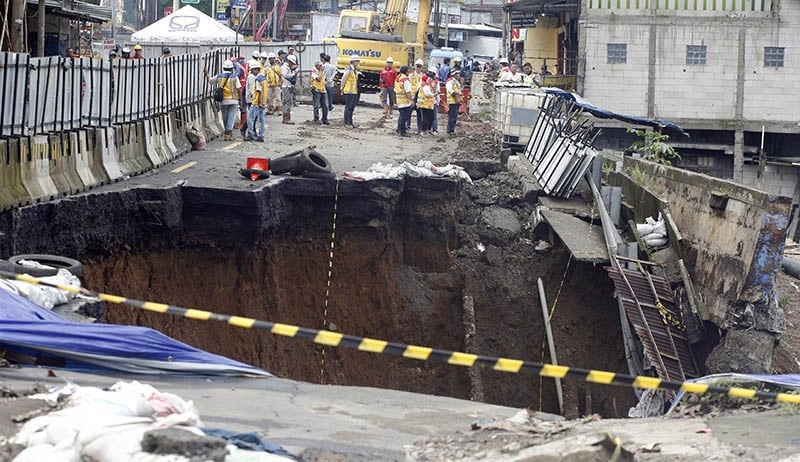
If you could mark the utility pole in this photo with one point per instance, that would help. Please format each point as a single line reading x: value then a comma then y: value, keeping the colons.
x: 447, y: 23
x: 437, y: 22
x: 176, y: 5
x: 41, y: 25
x: 18, y: 24
x: 113, y: 4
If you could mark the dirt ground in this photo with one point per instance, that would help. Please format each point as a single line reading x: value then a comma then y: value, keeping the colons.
x: 786, y: 359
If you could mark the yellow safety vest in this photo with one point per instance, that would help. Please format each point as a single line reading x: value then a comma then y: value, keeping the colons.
x: 425, y: 102
x: 415, y: 81
x: 260, y: 93
x: 350, y: 86
x: 318, y: 83
x: 456, y: 89
x: 273, y: 75
x: 227, y: 84
x: 400, y: 90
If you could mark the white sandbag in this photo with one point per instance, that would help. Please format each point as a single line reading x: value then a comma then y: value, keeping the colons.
x: 644, y: 229
x: 657, y: 242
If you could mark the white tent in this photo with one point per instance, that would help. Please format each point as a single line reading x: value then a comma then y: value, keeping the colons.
x: 186, y: 25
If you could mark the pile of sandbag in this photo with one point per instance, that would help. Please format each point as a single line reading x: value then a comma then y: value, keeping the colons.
x: 653, y: 232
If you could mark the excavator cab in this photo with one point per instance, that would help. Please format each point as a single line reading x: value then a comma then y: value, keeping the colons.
x: 358, y: 21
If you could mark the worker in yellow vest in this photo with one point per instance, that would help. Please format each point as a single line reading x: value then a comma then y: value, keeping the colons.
x: 425, y: 101
x: 405, y: 102
x: 272, y: 72
x: 350, y: 90
x: 454, y: 98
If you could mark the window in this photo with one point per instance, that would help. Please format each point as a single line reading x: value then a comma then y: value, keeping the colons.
x: 695, y: 54
x: 617, y: 53
x: 773, y: 56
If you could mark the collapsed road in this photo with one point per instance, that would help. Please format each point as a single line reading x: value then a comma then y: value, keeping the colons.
x: 407, y: 254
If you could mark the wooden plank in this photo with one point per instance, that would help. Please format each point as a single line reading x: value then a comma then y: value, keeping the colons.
x: 584, y: 241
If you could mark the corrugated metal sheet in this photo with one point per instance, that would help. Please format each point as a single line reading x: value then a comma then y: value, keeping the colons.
x: 665, y: 345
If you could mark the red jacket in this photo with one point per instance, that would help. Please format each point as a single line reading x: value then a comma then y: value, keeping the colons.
x: 388, y: 76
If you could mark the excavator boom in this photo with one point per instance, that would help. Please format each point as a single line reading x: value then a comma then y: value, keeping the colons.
x: 422, y: 21
x: 395, y: 19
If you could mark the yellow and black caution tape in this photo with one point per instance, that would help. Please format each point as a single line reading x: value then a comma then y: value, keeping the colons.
x: 455, y: 358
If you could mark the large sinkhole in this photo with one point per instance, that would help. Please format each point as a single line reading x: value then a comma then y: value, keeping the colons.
x: 405, y: 254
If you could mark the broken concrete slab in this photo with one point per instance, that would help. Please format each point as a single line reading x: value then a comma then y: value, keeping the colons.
x: 184, y: 443
x: 500, y: 225
x: 575, y: 206
x: 584, y: 241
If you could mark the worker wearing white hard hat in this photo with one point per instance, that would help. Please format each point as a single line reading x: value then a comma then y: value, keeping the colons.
x: 272, y: 74
x: 231, y: 88
x: 386, y: 81
x: 255, y: 55
x: 349, y: 87
x: 256, y: 99
x: 289, y: 74
x: 505, y: 72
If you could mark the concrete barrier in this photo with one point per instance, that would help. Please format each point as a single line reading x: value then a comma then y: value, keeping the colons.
x: 105, y: 149
x: 36, y: 169
x: 131, y: 149
x: 89, y: 169
x: 178, y: 122
x: 63, y: 168
x: 12, y: 171
x: 169, y: 137
x: 150, y: 143
x: 213, y: 119
x: 7, y: 199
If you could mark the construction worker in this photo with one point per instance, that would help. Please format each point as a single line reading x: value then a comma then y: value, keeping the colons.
x: 454, y: 98
x: 387, y: 77
x: 256, y: 56
x: 504, y: 70
x: 126, y: 53
x: 165, y: 52
x: 255, y: 122
x: 528, y: 77
x: 281, y: 57
x: 425, y: 103
x: 137, y: 52
x: 350, y: 90
x: 249, y: 90
x: 231, y: 91
x: 319, y: 93
x: 330, y: 72
x: 289, y: 72
x: 405, y: 102
x: 273, y: 76
x: 416, y: 78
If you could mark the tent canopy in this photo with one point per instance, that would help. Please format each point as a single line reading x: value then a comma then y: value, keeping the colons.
x: 187, y: 25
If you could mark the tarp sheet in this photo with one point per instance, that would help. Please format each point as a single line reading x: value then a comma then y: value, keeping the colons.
x: 606, y: 114
x: 35, y: 331
x: 789, y: 381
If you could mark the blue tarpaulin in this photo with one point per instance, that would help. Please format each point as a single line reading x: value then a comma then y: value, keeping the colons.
x: 36, y: 332
x: 606, y: 114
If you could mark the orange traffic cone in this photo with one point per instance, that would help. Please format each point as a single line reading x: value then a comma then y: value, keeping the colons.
x: 257, y: 163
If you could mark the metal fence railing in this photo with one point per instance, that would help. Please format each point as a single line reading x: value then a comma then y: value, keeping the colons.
x: 55, y: 94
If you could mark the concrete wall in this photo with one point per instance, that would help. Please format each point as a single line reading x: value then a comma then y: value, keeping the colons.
x: 657, y: 32
x: 733, y: 252
x: 541, y: 43
x: 778, y: 179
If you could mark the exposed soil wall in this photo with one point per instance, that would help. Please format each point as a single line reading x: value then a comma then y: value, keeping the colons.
x: 406, y: 252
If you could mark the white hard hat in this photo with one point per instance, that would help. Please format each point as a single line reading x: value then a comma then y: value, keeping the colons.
x: 389, y: 59
x: 255, y: 55
x: 255, y: 64
x: 355, y: 57
x: 292, y: 58
x: 503, y: 61
x: 227, y: 64
x: 419, y: 62
x: 269, y: 55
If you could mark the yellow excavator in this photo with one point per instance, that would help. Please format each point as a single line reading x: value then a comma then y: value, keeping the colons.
x: 374, y: 38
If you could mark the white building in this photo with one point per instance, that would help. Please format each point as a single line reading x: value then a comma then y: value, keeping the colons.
x: 721, y: 69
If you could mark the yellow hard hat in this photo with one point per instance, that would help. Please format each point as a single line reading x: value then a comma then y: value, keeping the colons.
x: 137, y: 47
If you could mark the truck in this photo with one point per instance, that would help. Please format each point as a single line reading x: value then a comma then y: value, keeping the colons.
x: 374, y: 38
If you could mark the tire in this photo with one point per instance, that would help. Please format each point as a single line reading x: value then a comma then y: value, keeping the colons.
x: 56, y: 261
x: 315, y: 162
x: 284, y: 164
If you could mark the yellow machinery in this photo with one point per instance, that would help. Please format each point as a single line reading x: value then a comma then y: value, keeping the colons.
x: 374, y: 39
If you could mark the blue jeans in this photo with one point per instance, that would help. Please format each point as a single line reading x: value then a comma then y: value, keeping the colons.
x: 452, y: 117
x: 349, y: 107
x: 256, y: 114
x: 229, y: 113
x: 320, y: 102
x: 435, y: 124
x: 329, y: 89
